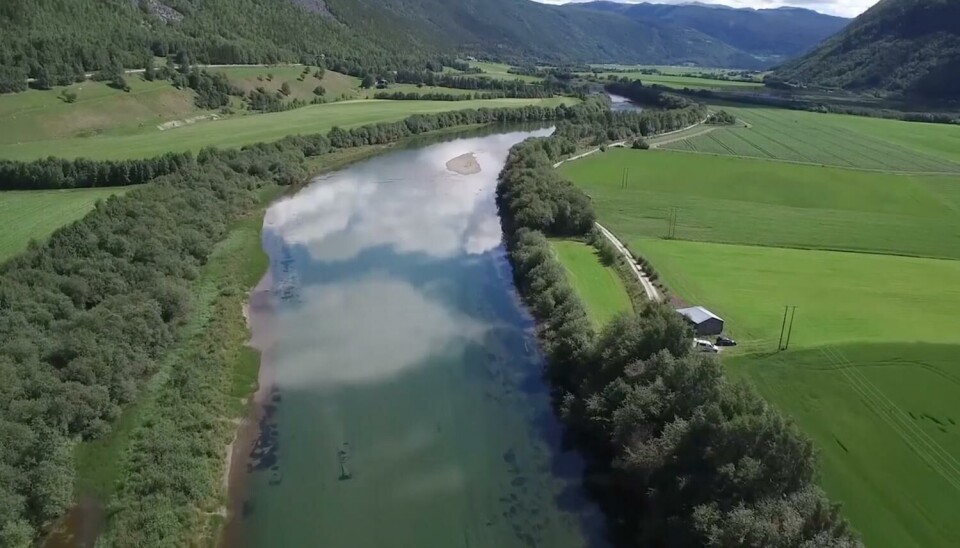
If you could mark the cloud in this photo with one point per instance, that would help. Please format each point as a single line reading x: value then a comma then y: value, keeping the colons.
x: 845, y: 8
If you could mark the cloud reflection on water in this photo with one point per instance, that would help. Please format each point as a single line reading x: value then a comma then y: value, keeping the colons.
x: 364, y: 331
x: 428, y: 210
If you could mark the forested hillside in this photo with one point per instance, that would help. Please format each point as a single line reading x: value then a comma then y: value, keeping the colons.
x: 529, y: 31
x: 771, y: 33
x: 63, y: 40
x: 60, y: 41
x: 909, y: 47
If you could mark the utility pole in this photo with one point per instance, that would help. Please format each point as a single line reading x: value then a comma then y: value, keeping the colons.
x: 790, y: 329
x: 782, y: 327
x: 672, y: 223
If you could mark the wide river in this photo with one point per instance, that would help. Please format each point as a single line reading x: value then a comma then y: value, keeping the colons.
x: 402, y: 401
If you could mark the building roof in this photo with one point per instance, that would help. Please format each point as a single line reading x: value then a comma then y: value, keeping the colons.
x: 698, y: 314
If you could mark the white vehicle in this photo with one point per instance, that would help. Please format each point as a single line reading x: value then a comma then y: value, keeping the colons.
x: 705, y: 346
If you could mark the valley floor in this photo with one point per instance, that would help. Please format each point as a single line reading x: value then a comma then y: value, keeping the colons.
x: 865, y: 244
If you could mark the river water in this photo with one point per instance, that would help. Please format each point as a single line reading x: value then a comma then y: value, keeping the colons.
x: 619, y: 103
x: 401, y: 400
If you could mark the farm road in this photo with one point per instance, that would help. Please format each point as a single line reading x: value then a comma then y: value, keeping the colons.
x: 648, y: 286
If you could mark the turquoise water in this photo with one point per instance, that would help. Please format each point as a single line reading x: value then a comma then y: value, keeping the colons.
x: 402, y: 401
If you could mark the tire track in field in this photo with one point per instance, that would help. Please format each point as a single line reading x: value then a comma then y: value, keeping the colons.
x: 672, y: 140
x: 816, y: 164
x: 764, y: 152
x: 861, y: 148
x: 884, y: 146
x: 907, y: 150
x: 941, y: 461
x: 777, y: 127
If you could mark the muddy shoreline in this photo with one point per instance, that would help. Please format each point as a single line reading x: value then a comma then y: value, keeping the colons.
x: 257, y: 307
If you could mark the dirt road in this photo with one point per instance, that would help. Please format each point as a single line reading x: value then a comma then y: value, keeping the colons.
x: 648, y: 286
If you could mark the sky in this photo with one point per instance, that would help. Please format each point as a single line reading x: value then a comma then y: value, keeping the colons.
x: 845, y: 8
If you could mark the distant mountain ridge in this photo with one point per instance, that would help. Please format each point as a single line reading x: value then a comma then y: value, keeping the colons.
x: 523, y: 30
x: 776, y: 34
x: 57, y: 41
x: 907, y: 47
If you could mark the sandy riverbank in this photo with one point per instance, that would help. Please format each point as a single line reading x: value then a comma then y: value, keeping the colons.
x: 465, y: 164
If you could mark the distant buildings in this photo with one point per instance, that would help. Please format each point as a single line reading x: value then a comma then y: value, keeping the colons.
x: 703, y: 321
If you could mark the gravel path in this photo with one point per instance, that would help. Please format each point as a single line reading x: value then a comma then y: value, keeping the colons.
x: 648, y: 286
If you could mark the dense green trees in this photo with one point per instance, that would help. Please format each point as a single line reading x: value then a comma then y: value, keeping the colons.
x: 81, y: 173
x: 84, y: 318
x: 678, y: 455
x: 57, y: 42
x: 646, y: 95
x: 721, y: 118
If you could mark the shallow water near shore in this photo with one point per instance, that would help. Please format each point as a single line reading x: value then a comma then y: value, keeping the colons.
x: 401, y: 399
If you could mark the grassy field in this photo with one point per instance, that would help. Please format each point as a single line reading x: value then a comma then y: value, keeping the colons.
x: 599, y: 286
x: 680, y: 82
x: 731, y: 200
x: 34, y: 215
x: 840, y: 297
x: 244, y: 130
x: 834, y: 140
x: 41, y: 115
x: 500, y: 71
x: 871, y: 371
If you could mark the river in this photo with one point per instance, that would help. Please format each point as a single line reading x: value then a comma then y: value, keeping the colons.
x: 401, y: 399
x: 619, y: 103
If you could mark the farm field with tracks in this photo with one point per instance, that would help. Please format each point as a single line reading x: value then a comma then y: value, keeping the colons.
x: 831, y: 140
x: 865, y: 243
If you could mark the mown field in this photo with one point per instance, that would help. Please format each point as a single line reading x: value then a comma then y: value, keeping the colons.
x: 680, y: 82
x: 871, y: 373
x: 243, y: 130
x: 599, y: 286
x: 500, y: 71
x: 719, y: 199
x: 34, y: 215
x: 833, y: 140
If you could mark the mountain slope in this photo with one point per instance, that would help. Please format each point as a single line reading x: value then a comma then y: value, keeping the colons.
x: 909, y: 47
x: 781, y: 32
x: 61, y: 40
x: 522, y: 29
x: 68, y: 38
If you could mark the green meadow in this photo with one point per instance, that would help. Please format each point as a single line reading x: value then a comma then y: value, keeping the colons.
x: 35, y: 214
x: 244, y: 130
x: 840, y: 297
x: 599, y: 286
x: 870, y: 260
x: 730, y: 200
x: 36, y: 116
x: 500, y: 71
x: 832, y: 140
x: 680, y: 82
